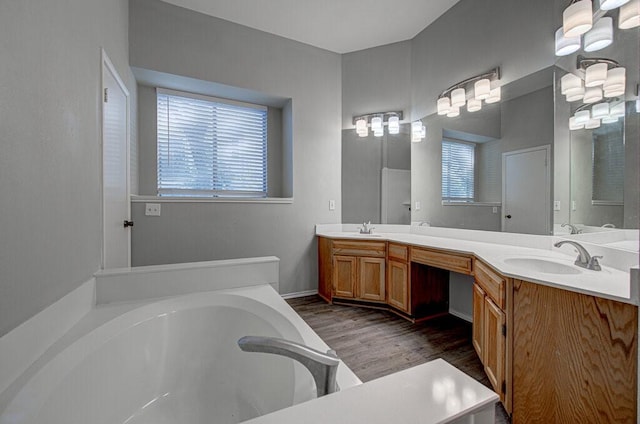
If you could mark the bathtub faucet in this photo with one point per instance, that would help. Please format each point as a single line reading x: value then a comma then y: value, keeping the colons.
x: 323, y: 366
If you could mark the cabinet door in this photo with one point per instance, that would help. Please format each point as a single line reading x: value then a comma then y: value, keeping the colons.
x: 344, y: 276
x: 372, y: 279
x: 478, y: 320
x: 494, y: 345
x: 398, y: 285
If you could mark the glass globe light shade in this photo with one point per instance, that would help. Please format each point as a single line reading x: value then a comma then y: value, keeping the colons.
x: 595, y: 75
x: 611, y: 4
x: 394, y: 125
x: 592, y: 95
x: 566, y: 45
x: 575, y: 94
x: 444, y: 104
x: 494, y: 96
x: 629, y: 16
x: 573, y: 125
x: 592, y: 124
x: 458, y: 98
x: 582, y: 116
x: 577, y: 18
x: 474, y: 105
x: 600, y: 36
x: 482, y: 89
x: 570, y: 82
x: 600, y: 110
x: 453, y: 112
x: 616, y: 79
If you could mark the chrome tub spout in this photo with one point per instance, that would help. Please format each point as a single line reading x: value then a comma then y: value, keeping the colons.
x: 323, y: 366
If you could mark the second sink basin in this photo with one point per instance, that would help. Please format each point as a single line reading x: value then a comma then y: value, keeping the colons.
x: 546, y: 266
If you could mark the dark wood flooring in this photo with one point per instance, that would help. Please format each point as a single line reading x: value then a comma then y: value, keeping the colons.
x: 374, y: 343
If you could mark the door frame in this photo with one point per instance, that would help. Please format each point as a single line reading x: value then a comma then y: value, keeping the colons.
x: 107, y: 66
x: 547, y: 149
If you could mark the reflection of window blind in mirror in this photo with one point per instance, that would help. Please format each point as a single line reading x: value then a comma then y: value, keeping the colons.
x: 458, y: 182
x: 608, y: 164
x: 489, y: 171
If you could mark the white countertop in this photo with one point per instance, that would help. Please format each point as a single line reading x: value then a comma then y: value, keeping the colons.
x: 435, y: 392
x: 493, y: 248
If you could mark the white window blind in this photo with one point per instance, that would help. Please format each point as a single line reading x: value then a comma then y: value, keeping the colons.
x: 458, y: 171
x: 210, y: 147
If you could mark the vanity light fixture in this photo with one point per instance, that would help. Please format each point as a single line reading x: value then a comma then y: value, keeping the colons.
x: 418, y: 131
x: 595, y: 75
x: 629, y: 16
x: 453, y: 98
x: 611, y: 4
x: 592, y: 124
x: 592, y: 95
x: 377, y: 121
x: 600, y: 36
x: 582, y: 116
x: 577, y: 18
x: 600, y: 110
x: 573, y: 125
x: 570, y: 82
x: 566, y: 45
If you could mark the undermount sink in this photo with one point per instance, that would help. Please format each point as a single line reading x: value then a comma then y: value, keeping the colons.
x: 365, y: 235
x: 546, y: 266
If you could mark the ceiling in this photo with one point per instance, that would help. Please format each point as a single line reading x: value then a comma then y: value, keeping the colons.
x: 340, y: 26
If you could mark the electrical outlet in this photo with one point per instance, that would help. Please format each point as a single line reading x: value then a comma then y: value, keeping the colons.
x: 152, y: 209
x: 332, y: 205
x: 556, y: 205
x: 573, y: 205
x: 495, y: 209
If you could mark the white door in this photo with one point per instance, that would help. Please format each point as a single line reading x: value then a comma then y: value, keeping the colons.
x: 115, y: 169
x: 526, y: 191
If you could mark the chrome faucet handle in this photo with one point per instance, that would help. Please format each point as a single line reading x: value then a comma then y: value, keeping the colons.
x: 593, y: 264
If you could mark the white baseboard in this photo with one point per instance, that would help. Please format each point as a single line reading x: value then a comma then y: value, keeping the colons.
x: 23, y: 345
x: 461, y: 315
x: 299, y: 294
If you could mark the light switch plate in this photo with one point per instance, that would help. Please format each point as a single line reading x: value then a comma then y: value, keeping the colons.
x: 418, y: 205
x: 556, y: 205
x: 152, y: 209
x: 495, y: 209
x: 332, y: 205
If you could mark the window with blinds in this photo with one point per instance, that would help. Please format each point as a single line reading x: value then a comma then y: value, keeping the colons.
x: 458, y: 161
x: 210, y: 147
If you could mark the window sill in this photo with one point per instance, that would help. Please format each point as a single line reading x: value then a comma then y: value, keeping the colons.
x: 489, y: 204
x: 169, y: 199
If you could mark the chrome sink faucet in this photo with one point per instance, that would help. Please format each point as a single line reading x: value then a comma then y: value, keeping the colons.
x: 583, y: 260
x: 574, y: 229
x: 323, y: 366
x: 366, y: 228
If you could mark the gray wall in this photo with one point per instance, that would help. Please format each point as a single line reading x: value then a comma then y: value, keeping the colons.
x: 177, y: 41
x: 376, y: 80
x: 475, y: 36
x: 50, y: 219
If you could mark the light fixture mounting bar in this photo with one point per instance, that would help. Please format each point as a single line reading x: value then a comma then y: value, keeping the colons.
x: 491, y: 75
x: 584, y: 62
x: 384, y: 115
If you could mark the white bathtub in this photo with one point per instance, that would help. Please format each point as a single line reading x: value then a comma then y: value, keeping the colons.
x: 171, y: 361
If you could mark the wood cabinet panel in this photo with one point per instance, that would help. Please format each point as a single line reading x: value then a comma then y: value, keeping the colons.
x: 398, y: 252
x: 491, y: 282
x: 360, y: 248
x: 372, y: 279
x: 325, y: 275
x: 494, y: 345
x: 344, y: 276
x: 478, y: 321
x: 574, y: 357
x: 398, y: 285
x: 444, y: 260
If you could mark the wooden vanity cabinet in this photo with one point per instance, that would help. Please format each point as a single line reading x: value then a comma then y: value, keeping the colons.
x: 489, y: 334
x: 398, y: 290
x: 575, y: 357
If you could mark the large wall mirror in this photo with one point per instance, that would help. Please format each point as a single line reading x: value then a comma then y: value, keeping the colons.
x: 376, y: 177
x: 601, y: 181
x: 509, y: 148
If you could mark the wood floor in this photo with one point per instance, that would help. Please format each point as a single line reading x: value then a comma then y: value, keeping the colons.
x: 375, y: 343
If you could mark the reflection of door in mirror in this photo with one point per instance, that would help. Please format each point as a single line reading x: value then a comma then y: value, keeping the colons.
x: 526, y: 187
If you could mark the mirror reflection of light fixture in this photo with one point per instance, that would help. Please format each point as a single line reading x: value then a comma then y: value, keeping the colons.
x: 377, y: 121
x: 592, y: 124
x: 570, y: 82
x: 595, y: 75
x: 611, y: 4
x: 573, y: 125
x: 582, y: 116
x: 453, y: 98
x: 592, y: 95
x: 600, y: 110
x: 418, y: 131
x: 600, y: 36
x: 629, y: 16
x: 566, y: 45
x: 605, y: 75
x: 577, y: 18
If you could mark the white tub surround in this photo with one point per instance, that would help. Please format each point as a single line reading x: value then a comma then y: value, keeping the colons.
x: 155, y: 281
x: 435, y: 392
x: 22, y: 346
x: 614, y: 282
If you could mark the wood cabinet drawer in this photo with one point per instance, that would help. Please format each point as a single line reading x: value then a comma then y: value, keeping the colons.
x: 398, y: 252
x: 359, y: 248
x: 451, y: 261
x: 491, y: 282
